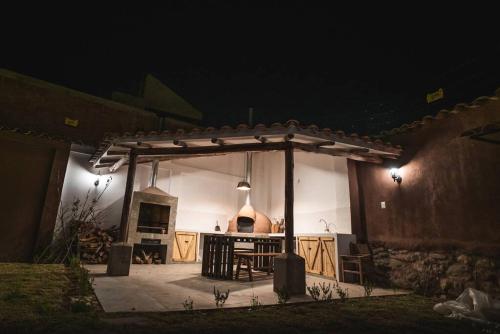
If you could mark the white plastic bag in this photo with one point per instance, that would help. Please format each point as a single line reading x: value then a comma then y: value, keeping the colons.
x: 469, y: 304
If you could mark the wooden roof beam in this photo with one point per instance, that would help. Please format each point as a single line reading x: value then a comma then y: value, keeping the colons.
x: 118, y: 164
x: 338, y: 152
x: 205, y: 150
x: 181, y: 143
x: 325, y: 143
x: 262, y: 139
x: 217, y: 141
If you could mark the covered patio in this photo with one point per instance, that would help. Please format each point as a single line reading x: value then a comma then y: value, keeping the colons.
x: 175, y: 226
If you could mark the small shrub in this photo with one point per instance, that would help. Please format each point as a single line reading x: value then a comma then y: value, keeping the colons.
x: 255, y: 303
x: 187, y: 304
x: 82, y: 276
x: 81, y: 304
x: 220, y: 297
x: 283, y: 295
x: 326, y: 291
x: 368, y: 286
x: 321, y: 291
x: 71, y: 221
x: 427, y: 281
x: 342, y: 293
x: 314, y: 291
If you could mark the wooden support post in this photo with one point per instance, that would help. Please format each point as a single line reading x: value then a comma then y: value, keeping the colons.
x: 289, y: 199
x: 289, y: 268
x: 129, y: 189
x: 358, y: 219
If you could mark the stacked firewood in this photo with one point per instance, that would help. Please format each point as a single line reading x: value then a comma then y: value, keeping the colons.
x: 145, y: 257
x: 95, y: 245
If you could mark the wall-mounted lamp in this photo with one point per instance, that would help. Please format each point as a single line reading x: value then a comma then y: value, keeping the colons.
x: 96, y: 182
x: 396, y: 175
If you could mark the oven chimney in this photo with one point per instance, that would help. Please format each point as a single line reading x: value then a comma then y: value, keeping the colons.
x: 154, y: 173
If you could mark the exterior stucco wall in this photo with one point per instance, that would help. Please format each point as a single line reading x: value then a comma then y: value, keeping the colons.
x: 35, y: 105
x: 450, y: 192
x: 33, y: 171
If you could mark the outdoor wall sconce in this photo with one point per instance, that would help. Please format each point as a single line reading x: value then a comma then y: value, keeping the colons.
x: 396, y: 175
x: 96, y: 182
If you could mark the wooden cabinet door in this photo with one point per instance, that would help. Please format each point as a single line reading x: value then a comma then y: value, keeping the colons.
x: 309, y: 249
x: 328, y: 257
x: 184, y: 247
x: 303, y: 246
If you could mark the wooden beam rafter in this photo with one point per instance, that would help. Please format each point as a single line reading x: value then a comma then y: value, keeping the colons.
x: 180, y: 143
x: 262, y: 139
x: 183, y: 152
x: 205, y: 150
x: 325, y: 143
x: 217, y: 141
x: 339, y: 152
x: 118, y: 164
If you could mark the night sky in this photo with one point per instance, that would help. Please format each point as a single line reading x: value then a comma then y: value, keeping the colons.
x: 358, y: 69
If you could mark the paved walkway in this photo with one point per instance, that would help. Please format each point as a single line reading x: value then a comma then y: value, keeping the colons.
x: 159, y: 288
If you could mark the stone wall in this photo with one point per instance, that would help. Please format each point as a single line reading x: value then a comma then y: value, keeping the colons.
x: 435, y: 272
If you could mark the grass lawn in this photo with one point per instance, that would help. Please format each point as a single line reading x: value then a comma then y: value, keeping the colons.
x: 36, y: 299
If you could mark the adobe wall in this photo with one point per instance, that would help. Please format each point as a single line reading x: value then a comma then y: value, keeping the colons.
x: 35, y: 105
x: 33, y: 172
x: 440, y: 230
x: 450, y: 193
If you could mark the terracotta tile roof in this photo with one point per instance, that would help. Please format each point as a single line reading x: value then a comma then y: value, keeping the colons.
x: 459, y: 108
x: 291, y: 126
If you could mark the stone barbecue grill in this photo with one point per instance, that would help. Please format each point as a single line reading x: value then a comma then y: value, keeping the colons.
x: 152, y: 219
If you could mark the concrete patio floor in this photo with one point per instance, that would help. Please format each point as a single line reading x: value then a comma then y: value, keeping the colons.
x: 159, y: 288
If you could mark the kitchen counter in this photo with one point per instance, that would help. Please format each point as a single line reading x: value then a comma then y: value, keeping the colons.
x: 255, y: 235
x: 321, y: 234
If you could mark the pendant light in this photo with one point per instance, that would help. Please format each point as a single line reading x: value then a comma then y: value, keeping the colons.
x: 245, y: 184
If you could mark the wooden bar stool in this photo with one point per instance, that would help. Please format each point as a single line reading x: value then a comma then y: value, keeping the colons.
x: 247, y: 260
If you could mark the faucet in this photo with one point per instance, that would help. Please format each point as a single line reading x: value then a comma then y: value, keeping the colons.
x: 321, y: 220
x: 327, y: 225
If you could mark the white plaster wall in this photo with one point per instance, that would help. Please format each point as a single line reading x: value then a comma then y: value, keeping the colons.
x: 79, y: 180
x: 205, y: 195
x: 321, y: 190
x: 206, y: 189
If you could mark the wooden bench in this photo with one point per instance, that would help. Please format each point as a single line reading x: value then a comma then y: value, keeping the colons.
x: 247, y: 258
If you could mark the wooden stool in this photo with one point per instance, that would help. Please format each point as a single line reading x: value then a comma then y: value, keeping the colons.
x: 247, y: 258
